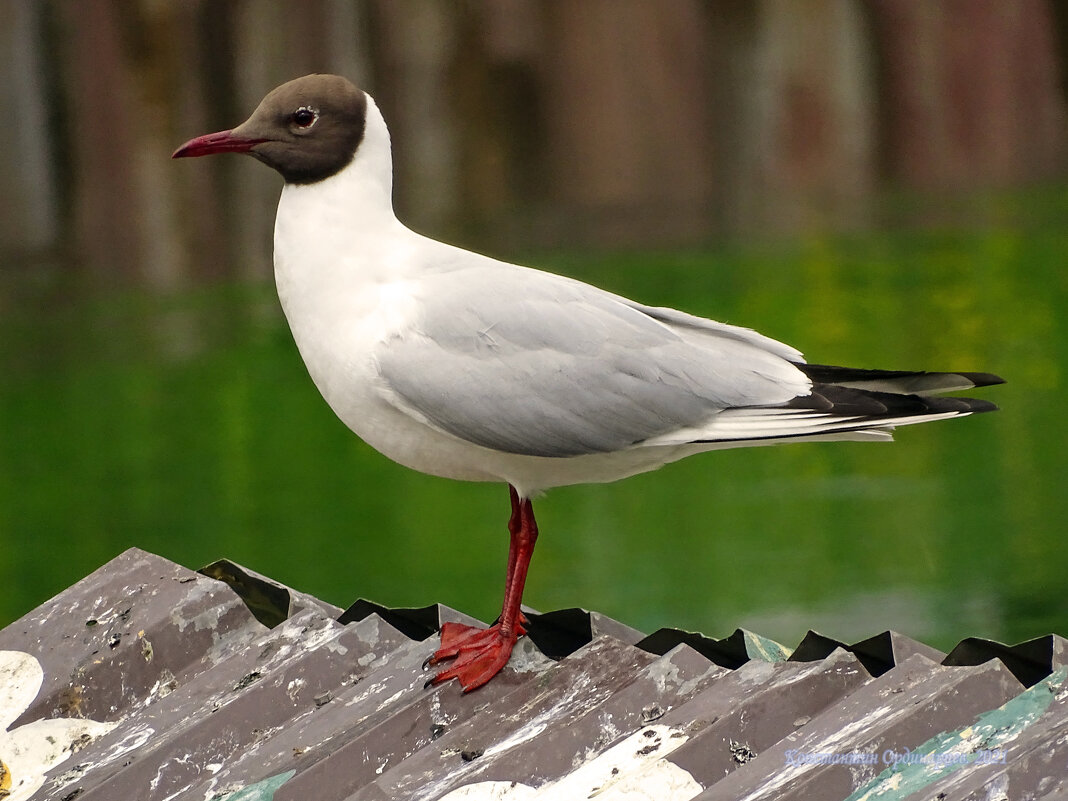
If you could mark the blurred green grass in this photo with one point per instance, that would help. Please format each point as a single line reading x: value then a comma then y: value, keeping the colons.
x: 185, y: 425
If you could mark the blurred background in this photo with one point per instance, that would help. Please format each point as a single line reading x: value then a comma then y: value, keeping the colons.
x: 881, y: 183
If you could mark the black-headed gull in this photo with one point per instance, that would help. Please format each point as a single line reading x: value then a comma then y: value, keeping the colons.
x: 459, y: 365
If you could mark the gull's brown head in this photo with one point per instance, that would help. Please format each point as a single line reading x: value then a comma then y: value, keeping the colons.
x: 307, y: 129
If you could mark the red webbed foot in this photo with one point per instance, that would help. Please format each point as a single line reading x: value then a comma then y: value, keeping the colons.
x: 455, y: 635
x: 479, y: 653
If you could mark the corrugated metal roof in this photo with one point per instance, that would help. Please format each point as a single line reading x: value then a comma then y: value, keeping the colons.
x: 148, y: 681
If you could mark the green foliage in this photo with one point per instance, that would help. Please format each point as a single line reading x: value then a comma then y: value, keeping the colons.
x: 186, y: 426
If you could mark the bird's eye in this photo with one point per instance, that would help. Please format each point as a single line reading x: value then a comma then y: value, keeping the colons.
x: 304, y: 117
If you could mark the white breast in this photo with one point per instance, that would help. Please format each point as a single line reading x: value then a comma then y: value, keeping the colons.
x: 345, y: 270
x: 348, y: 275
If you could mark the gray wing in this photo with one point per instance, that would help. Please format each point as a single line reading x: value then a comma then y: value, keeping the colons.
x: 532, y: 363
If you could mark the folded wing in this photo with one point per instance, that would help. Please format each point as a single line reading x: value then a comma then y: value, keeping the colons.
x: 531, y: 363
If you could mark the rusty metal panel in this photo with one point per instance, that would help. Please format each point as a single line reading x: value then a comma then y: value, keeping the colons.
x: 1024, y: 747
x: 120, y: 636
x: 900, y: 710
x: 149, y: 681
x: 384, y: 716
x: 556, y: 696
x: 284, y: 677
x: 540, y: 731
x: 759, y: 705
x: 661, y: 687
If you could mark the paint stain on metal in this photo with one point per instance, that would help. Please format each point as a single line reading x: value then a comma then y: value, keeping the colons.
x: 988, y: 736
x: 262, y: 790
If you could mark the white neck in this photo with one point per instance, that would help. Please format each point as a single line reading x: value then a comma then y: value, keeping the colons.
x: 336, y: 230
x: 359, y: 193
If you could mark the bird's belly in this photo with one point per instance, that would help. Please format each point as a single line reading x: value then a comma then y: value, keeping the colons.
x: 354, y: 391
x: 419, y: 446
x: 410, y: 442
x: 338, y: 338
x: 340, y: 360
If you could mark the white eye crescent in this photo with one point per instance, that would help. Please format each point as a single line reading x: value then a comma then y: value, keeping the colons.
x: 304, y: 117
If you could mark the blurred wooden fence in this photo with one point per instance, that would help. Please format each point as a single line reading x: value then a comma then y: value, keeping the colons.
x: 519, y: 123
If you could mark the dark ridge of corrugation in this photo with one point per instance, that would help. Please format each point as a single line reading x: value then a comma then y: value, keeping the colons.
x: 731, y: 652
x: 1029, y: 661
x: 878, y: 654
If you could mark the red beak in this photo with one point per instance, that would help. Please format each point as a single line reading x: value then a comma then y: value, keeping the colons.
x: 221, y: 142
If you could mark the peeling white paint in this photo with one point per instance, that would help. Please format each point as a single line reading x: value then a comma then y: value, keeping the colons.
x: 336, y: 647
x: 131, y: 742
x: 517, y: 738
x: 834, y: 742
x: 526, y: 658
x: 163, y: 686
x: 998, y: 789
x: 492, y: 791
x: 293, y: 688
x: 755, y: 672
x: 633, y: 770
x: 32, y: 750
x: 21, y: 677
x: 206, y: 619
x: 438, y: 715
x: 532, y: 725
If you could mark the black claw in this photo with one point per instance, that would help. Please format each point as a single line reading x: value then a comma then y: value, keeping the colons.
x: 428, y: 661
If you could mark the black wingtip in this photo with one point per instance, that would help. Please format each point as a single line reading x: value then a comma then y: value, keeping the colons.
x: 905, y: 382
x: 977, y: 406
x: 852, y: 402
x: 983, y: 379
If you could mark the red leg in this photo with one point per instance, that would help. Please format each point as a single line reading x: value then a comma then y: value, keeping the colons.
x: 480, y: 653
x: 516, y: 531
